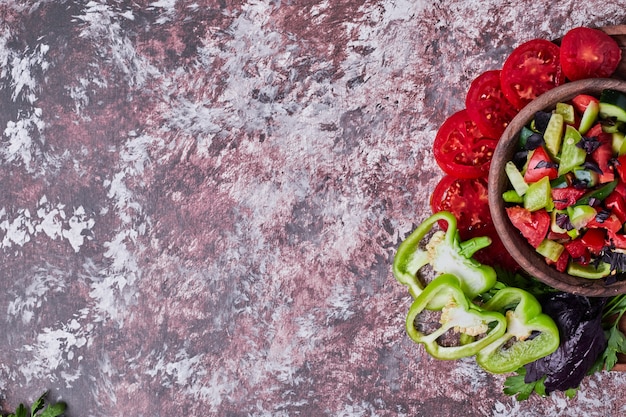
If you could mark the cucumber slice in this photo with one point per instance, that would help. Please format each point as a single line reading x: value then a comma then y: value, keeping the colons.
x: 613, y: 105
x: 511, y: 196
x: 567, y: 111
x: 580, y: 215
x: 586, y: 176
x: 571, y: 155
x: 554, y: 134
x: 618, y: 143
x: 559, y: 182
x: 516, y: 178
x: 553, y: 223
x: 589, y: 117
x: 599, y: 193
x: 550, y: 249
x: 539, y: 195
x: 602, y: 270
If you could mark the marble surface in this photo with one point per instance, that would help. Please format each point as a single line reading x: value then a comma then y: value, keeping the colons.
x: 200, y: 202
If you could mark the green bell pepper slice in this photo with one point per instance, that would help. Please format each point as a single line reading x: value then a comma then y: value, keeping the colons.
x: 458, y: 314
x: 530, y: 334
x: 446, y: 253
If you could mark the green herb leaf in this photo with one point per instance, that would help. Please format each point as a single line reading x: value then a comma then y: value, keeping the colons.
x: 515, y: 385
x: 38, y: 405
x: 54, y: 410
x: 571, y: 393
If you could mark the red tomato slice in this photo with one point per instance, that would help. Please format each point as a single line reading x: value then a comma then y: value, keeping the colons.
x: 578, y: 250
x: 561, y: 263
x: 620, y: 167
x: 589, y: 53
x: 532, y: 69
x: 539, y: 166
x: 617, y: 204
x: 467, y: 199
x: 581, y: 101
x: 534, y: 226
x: 460, y: 149
x: 487, y: 106
x: 565, y: 197
x: 594, y: 239
x: 603, y: 155
x: 616, y: 240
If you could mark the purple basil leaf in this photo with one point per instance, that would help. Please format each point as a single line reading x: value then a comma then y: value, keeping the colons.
x: 592, y: 166
x: 582, y: 341
x: 589, y: 144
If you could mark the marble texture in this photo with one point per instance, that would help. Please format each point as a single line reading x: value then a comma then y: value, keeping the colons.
x: 200, y: 202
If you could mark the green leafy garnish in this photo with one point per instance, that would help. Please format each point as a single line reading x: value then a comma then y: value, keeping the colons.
x: 616, y: 340
x: 515, y: 385
x: 52, y: 410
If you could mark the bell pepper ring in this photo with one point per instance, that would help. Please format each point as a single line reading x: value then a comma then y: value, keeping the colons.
x: 446, y: 254
x: 530, y: 334
x: 458, y: 314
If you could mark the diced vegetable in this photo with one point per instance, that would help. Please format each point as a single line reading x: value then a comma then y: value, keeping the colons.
x: 574, y: 185
x: 554, y: 134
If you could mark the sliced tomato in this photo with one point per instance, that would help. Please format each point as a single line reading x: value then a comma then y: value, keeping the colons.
x: 534, y: 226
x: 603, y: 155
x: 532, y: 69
x: 594, y: 239
x: 468, y: 200
x: 617, y: 204
x: 595, y: 130
x: 540, y: 165
x: 561, y: 263
x: 616, y: 240
x: 611, y: 223
x: 621, y: 185
x: 578, y: 250
x: 581, y: 102
x: 487, y: 106
x: 589, y: 53
x: 460, y: 148
x: 496, y: 253
x: 565, y: 197
x: 620, y: 167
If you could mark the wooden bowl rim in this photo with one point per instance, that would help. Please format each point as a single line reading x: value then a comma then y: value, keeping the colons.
x: 515, y: 243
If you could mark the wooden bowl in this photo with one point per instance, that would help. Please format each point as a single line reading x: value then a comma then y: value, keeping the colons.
x: 515, y: 243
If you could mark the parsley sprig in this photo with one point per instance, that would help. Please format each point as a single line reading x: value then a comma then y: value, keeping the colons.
x: 611, y: 316
x: 51, y: 410
x: 612, y: 312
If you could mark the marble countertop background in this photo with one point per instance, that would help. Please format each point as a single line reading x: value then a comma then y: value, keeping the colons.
x: 200, y: 202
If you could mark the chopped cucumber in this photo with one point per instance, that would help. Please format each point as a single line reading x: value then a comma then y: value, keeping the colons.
x: 612, y: 126
x: 618, y: 143
x: 571, y: 155
x: 590, y: 271
x: 511, y: 196
x: 580, y: 215
x: 516, y: 178
x: 567, y: 111
x: 589, y: 117
x: 559, y: 182
x: 599, y: 193
x: 539, y: 196
x: 550, y: 249
x: 524, y: 134
x: 613, y: 105
x: 554, y: 135
x: 553, y: 223
x: 586, y: 177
